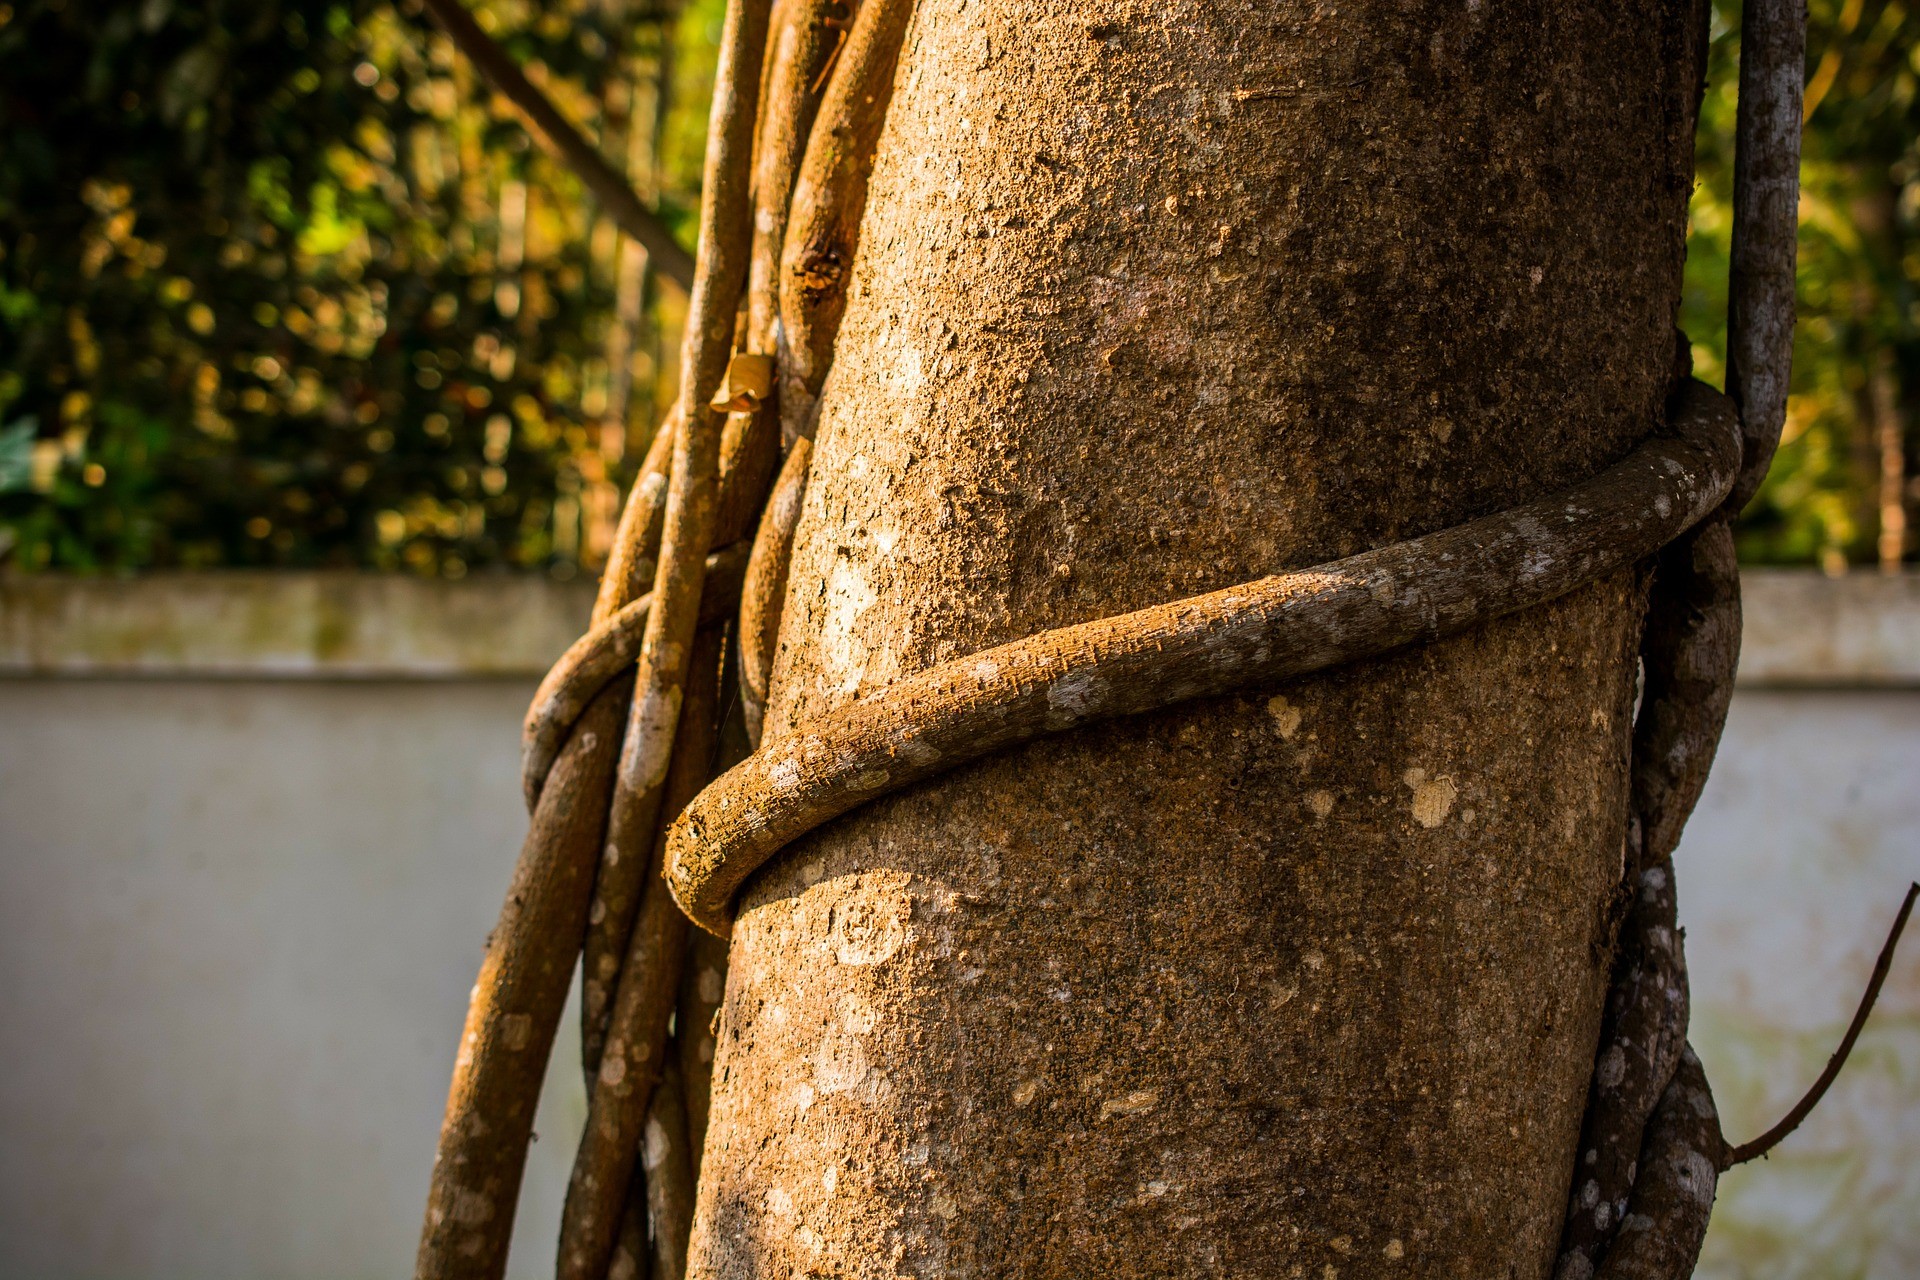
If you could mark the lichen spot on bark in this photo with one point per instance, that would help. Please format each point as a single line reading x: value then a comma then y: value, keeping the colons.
x: 1432, y: 797
x: 840, y: 1062
x: 471, y: 1208
x: 1134, y: 1103
x: 871, y: 922
x: 843, y: 655
x: 653, y: 1151
x: 1286, y: 716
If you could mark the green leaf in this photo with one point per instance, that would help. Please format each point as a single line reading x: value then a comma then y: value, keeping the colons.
x: 190, y: 81
x: 16, y: 454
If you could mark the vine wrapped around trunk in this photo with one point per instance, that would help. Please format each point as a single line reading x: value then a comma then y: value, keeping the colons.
x: 804, y: 119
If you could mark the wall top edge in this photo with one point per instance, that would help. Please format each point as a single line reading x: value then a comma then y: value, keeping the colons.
x: 1802, y: 628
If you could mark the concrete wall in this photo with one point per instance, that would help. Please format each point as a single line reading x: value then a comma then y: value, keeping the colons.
x: 239, y: 916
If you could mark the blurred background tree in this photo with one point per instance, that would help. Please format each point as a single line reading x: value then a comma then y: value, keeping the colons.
x: 283, y: 284
x: 1841, y: 487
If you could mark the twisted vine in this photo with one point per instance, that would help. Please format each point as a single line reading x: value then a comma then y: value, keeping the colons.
x: 624, y: 737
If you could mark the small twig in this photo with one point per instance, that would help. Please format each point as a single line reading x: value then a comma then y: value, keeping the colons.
x: 1771, y: 1138
x: 840, y: 42
x: 565, y: 142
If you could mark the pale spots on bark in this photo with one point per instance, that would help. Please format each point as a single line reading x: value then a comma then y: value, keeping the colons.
x: 1432, y: 797
x: 1286, y: 716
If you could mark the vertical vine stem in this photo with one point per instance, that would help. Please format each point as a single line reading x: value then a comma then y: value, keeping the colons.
x: 797, y: 51
x: 669, y: 1175
x: 704, y: 984
x: 635, y: 555
x: 634, y: 1054
x: 1766, y: 225
x: 763, y: 594
x: 515, y: 1009
x: 801, y: 39
x: 1689, y: 650
x: 1666, y: 1218
x: 689, y: 524
x: 702, y: 988
x: 829, y: 196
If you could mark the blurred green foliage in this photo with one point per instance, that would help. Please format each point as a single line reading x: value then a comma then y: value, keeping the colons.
x: 282, y: 284
x: 1856, y: 366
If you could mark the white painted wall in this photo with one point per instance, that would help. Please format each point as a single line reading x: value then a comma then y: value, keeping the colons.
x: 238, y: 923
x: 239, y: 918
x: 1789, y: 876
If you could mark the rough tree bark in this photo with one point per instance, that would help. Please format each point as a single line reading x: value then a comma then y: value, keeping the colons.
x: 1151, y: 300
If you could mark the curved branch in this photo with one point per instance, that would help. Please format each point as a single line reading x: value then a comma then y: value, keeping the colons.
x: 599, y: 656
x: 635, y: 553
x: 564, y: 142
x: 1788, y: 1123
x: 1257, y: 633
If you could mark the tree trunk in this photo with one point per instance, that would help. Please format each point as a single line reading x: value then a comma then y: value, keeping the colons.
x: 1150, y: 300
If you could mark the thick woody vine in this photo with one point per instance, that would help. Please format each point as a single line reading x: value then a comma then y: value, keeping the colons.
x: 632, y: 837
